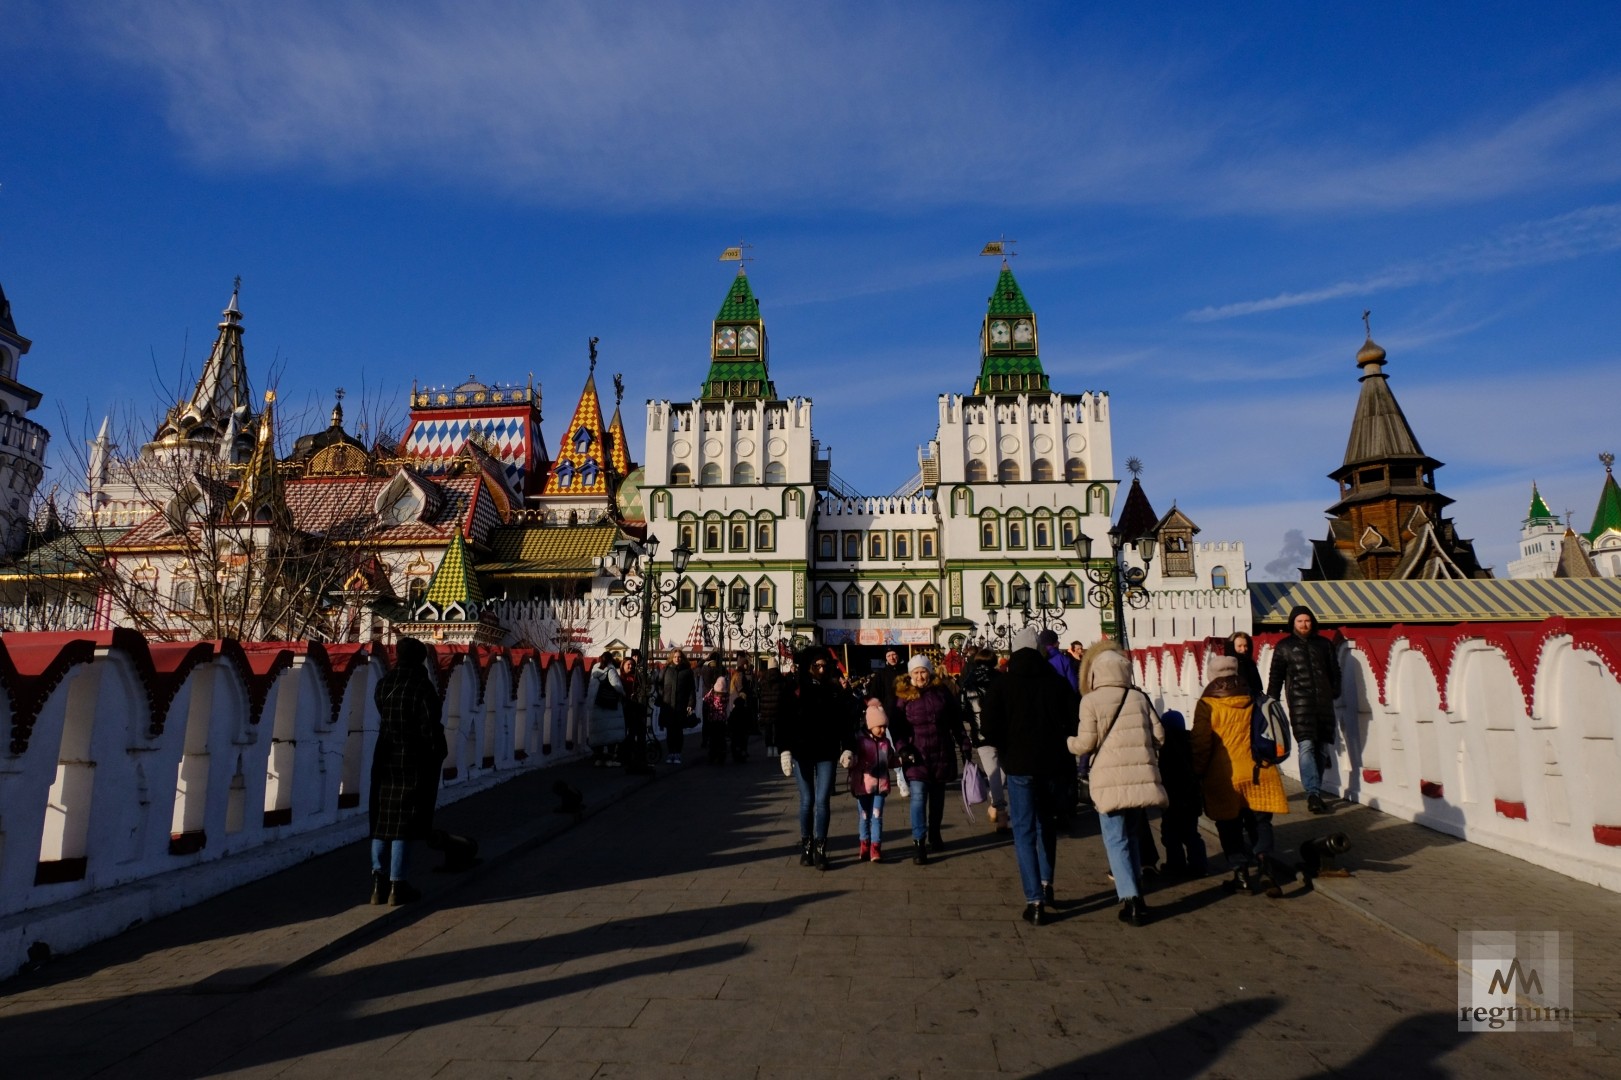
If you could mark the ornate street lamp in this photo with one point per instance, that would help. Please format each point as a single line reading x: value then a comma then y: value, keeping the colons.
x: 1045, y: 615
x: 1114, y: 583
x: 645, y: 591
x: 994, y: 634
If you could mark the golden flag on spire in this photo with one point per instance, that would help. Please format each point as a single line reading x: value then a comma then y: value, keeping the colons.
x: 992, y: 248
x: 732, y: 254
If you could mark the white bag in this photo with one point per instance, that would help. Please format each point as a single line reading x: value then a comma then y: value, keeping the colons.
x: 900, y: 782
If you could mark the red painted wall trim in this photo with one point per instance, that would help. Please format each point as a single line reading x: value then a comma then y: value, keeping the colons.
x: 1608, y: 835
x: 1372, y: 776
x: 1515, y: 810
x: 1429, y: 789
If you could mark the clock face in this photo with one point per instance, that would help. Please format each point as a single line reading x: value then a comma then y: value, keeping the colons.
x: 726, y: 339
x: 999, y: 333
x: 1023, y: 332
x: 749, y: 338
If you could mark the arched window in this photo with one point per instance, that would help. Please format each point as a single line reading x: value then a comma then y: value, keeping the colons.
x: 1218, y: 577
x: 686, y: 598
x: 1044, y: 533
x: 765, y: 536
x: 903, y: 545
x: 1015, y: 532
x: 987, y: 535
x: 852, y: 546
x: 711, y: 473
x: 689, y: 536
x: 776, y: 473
x: 712, y: 536
x: 976, y: 472
x: 680, y: 476
x: 1041, y: 469
x: 875, y: 545
x: 743, y: 473
x: 765, y: 596
x: 740, y: 596
x: 1008, y: 471
x: 1074, y: 469
x: 740, y: 536
x: 1069, y: 527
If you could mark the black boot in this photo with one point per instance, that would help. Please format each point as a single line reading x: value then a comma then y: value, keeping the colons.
x: 379, y: 887
x: 920, y: 853
x: 1139, y: 912
x: 819, y: 855
x: 806, y: 858
x: 936, y: 841
x: 402, y: 892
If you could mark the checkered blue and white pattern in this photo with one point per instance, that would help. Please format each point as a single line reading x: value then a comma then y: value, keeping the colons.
x: 505, y: 436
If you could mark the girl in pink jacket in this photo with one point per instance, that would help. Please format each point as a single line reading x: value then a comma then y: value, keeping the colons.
x: 869, y: 764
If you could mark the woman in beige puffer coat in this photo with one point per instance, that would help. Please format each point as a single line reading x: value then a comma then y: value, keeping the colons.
x: 1119, y: 726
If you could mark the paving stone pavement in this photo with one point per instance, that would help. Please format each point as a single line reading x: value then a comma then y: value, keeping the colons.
x: 673, y: 934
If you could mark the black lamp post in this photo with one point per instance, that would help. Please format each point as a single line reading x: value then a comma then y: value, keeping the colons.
x: 1045, y: 615
x: 646, y: 592
x: 1112, y: 582
x: 760, y: 633
x: 994, y: 634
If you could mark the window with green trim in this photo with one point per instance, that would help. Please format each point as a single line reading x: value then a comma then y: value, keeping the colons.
x: 929, y: 602
x: 826, y: 546
x: 852, y: 603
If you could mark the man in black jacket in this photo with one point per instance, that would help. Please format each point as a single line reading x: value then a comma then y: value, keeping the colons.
x: 1305, y: 664
x: 1029, y: 714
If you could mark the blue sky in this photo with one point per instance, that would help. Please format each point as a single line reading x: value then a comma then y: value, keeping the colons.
x: 1205, y: 198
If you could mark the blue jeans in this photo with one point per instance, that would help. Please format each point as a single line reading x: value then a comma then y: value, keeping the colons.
x: 396, y: 859
x: 1120, y: 829
x: 815, y: 797
x: 871, y: 826
x: 1240, y: 851
x: 928, y: 807
x: 1315, y: 757
x: 1033, y: 813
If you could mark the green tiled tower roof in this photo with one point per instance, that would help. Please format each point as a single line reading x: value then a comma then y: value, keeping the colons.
x: 1540, y: 514
x: 1010, y: 362
x: 1008, y: 299
x: 737, y: 348
x: 740, y: 304
x: 1608, y: 514
x: 454, y: 583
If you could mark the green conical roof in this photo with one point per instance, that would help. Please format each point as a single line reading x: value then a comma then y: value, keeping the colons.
x: 1540, y: 514
x: 454, y: 582
x: 740, y: 304
x: 1008, y: 299
x: 1608, y: 514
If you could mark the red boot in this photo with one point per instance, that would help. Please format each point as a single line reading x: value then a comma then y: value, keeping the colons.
x: 866, y: 849
x: 875, y: 856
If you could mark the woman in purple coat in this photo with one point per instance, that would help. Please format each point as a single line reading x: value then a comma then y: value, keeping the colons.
x: 929, y: 729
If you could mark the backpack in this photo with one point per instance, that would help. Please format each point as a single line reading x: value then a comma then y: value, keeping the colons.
x: 607, y: 696
x: 1270, y: 737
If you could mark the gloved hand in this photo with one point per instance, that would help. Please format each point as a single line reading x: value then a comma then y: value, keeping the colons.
x: 845, y: 759
x: 787, y: 763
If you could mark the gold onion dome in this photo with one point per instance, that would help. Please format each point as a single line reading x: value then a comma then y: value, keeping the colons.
x: 1370, y: 353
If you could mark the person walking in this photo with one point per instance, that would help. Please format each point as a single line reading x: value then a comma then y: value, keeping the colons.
x: 1241, y: 647
x: 605, y: 717
x: 1028, y: 711
x: 926, y: 716
x: 775, y: 682
x: 979, y: 674
x: 1232, y: 781
x: 678, y: 700
x: 1304, y: 664
x: 634, y: 753
x: 1062, y: 662
x: 405, y: 770
x: 1118, y: 726
x: 869, y: 762
x: 814, y: 733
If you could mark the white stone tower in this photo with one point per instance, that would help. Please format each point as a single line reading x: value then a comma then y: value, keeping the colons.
x: 22, y: 442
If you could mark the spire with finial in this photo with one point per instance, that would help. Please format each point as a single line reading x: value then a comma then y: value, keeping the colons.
x: 1370, y: 355
x: 592, y: 345
x: 337, y: 408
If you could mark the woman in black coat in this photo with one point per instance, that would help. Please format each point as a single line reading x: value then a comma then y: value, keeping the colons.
x: 405, y: 769
x: 815, y: 727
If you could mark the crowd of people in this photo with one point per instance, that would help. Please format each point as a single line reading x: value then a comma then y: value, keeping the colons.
x: 1049, y: 731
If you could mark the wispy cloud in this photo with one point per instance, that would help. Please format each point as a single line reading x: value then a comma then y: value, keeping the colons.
x: 1589, y: 231
x: 673, y: 104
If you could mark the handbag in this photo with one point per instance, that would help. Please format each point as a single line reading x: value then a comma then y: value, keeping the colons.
x: 975, y: 788
x: 608, y: 695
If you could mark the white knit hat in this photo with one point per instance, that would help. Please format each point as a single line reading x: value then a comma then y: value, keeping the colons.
x: 918, y: 660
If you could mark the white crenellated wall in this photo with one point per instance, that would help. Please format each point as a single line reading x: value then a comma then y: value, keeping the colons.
x: 1505, y: 735
x: 136, y: 779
